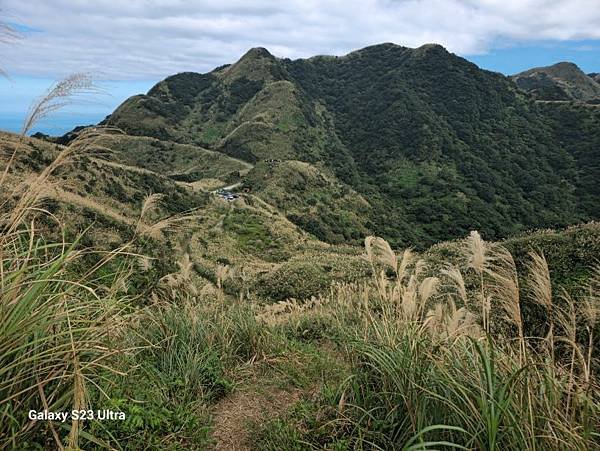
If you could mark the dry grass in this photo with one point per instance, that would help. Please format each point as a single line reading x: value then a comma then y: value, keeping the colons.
x: 234, y: 416
x: 478, y: 259
x: 56, y: 335
x: 29, y: 193
x: 424, y: 366
x: 541, y: 293
x: 60, y: 327
x: 65, y: 92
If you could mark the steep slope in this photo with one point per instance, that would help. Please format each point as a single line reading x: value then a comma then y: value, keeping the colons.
x: 317, y: 202
x: 179, y: 162
x: 577, y: 129
x: 261, y: 250
x: 245, y: 110
x: 446, y: 145
x: 435, y: 145
x: 561, y: 81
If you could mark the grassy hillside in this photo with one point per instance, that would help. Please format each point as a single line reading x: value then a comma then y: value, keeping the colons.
x: 107, y: 183
x: 316, y: 202
x: 91, y: 175
x: 269, y: 231
x: 435, y: 145
x: 184, y: 162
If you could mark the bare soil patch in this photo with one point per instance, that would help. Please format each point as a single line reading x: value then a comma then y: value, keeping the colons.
x: 234, y: 415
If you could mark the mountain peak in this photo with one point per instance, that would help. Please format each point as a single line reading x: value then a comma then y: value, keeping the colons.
x: 375, y: 49
x: 256, y: 64
x: 257, y: 53
x: 561, y: 68
x: 565, y: 69
x: 565, y: 65
x: 413, y: 131
x: 561, y: 81
x: 382, y: 46
x: 432, y: 46
x: 430, y: 50
x: 425, y: 49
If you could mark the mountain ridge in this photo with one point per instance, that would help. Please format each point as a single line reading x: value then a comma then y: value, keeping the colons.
x: 558, y: 82
x: 434, y: 144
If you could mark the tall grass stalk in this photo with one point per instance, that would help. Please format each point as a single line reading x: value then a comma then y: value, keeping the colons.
x: 58, y: 326
x: 426, y: 371
x: 54, y: 334
x: 541, y: 293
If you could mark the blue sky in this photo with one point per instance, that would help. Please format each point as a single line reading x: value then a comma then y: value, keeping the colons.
x: 18, y: 93
x: 521, y: 56
x: 128, y: 46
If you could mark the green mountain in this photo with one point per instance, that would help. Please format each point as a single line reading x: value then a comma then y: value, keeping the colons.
x: 213, y: 269
x: 561, y: 81
x: 432, y: 144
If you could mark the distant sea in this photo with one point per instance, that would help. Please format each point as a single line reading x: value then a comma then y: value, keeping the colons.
x: 56, y: 125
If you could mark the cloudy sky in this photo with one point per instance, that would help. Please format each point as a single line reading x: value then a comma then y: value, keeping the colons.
x: 130, y: 44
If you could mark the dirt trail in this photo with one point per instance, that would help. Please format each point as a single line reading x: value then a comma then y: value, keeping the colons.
x: 218, y: 227
x: 234, y: 415
x: 125, y: 167
x: 86, y: 202
x: 228, y: 187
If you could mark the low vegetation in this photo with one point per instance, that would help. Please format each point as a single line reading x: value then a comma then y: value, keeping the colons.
x: 130, y: 288
x: 438, y: 363
x: 417, y: 357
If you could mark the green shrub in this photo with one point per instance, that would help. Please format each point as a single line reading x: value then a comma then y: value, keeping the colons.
x: 298, y: 280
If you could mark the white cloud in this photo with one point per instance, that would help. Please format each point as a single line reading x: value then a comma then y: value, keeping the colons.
x: 154, y: 38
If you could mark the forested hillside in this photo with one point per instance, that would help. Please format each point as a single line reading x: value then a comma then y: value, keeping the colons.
x: 435, y: 145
